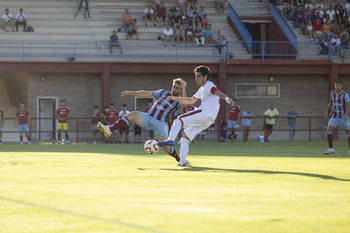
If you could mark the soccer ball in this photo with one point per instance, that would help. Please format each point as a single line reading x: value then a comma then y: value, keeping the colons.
x: 151, y: 147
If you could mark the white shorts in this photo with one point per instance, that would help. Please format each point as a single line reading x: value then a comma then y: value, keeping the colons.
x: 195, y: 122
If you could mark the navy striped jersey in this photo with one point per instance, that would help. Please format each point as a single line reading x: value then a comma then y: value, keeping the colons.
x: 162, y: 108
x: 339, y: 103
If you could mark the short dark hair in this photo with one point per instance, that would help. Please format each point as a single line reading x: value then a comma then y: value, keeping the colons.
x: 234, y: 99
x: 106, y: 106
x: 203, y: 70
x: 111, y: 104
x: 338, y: 81
x: 21, y: 9
x: 96, y: 106
x: 124, y: 105
x: 62, y: 101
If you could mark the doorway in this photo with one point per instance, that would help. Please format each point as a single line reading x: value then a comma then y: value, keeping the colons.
x: 46, y: 127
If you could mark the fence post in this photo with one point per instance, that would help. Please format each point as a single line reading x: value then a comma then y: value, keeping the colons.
x: 309, y: 129
x: 77, y: 131
x: 22, y: 51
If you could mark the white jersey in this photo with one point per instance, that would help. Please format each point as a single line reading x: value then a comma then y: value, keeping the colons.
x: 210, y: 103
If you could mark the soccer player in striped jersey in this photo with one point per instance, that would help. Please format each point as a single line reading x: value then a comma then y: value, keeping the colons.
x: 157, y: 117
x: 200, y: 118
x: 339, y: 104
x: 23, y: 120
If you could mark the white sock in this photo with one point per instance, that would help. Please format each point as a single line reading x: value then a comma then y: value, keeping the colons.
x: 175, y: 129
x: 183, y: 150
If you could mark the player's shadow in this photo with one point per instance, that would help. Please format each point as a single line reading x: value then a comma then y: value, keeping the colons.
x: 266, y: 172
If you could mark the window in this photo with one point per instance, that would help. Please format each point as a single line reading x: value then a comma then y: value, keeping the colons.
x: 257, y: 91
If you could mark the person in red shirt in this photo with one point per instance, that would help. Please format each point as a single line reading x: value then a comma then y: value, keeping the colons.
x: 233, y: 118
x: 188, y: 108
x: 22, y: 120
x: 318, y: 30
x: 96, y: 117
x: 112, y: 116
x: 161, y: 14
x: 62, y: 114
x: 1, y: 123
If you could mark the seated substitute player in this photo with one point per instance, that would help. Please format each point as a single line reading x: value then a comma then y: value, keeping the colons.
x: 157, y: 118
x: 62, y: 114
x: 23, y: 118
x: 199, y: 119
x: 339, y: 103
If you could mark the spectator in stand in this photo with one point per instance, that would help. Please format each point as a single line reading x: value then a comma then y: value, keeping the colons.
x: 131, y: 30
x: 336, y: 28
x: 327, y: 18
x: 317, y: 30
x: 310, y: 30
x: 298, y: 16
x: 201, y: 12
x: 292, y: 122
x: 195, y: 20
x: 310, y: 13
x: 161, y: 14
x: 319, y: 4
x: 157, y: 3
x: 85, y: 10
x: 247, y: 123
x: 219, y: 41
x: 205, y: 20
x: 21, y: 19
x: 193, y: 4
x: 96, y: 117
x: 304, y: 22
x: 23, y: 122
x: 320, y: 12
x: 342, y: 15
x: 270, y: 116
x: 327, y: 31
x: 180, y: 34
x: 198, y: 35
x: 189, y: 33
x: 171, y: 12
x: 182, y: 3
x: 309, y: 4
x: 280, y: 6
x: 190, y: 13
x: 126, y: 18
x: 344, y: 37
x: 176, y: 20
x: 114, y: 42
x: 185, y: 20
x: 290, y: 13
x: 220, y: 4
x: 1, y: 123
x: 168, y: 34
x: 7, y: 19
x: 335, y: 44
x: 208, y: 34
x: 148, y: 14
x: 347, y: 8
x: 330, y: 12
x: 134, y: 24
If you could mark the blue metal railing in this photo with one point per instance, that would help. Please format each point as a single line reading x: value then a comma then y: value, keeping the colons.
x: 252, y: 9
x: 229, y: 50
x: 241, y: 29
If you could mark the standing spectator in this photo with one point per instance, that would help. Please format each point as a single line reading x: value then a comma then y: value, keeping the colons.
x: 198, y: 35
x: 1, y: 123
x: 122, y: 114
x: 292, y: 122
x: 168, y: 34
x: 247, y: 123
x: 7, y: 18
x: 220, y: 4
x: 137, y: 133
x: 189, y: 33
x: 21, y: 19
x: 126, y: 18
x: 23, y: 122
x: 161, y: 14
x: 148, y: 14
x: 270, y: 116
x: 233, y: 119
x: 114, y: 42
x: 62, y: 114
x: 86, y: 8
x: 208, y: 34
x: 219, y: 41
x: 111, y: 117
x: 223, y: 131
x: 96, y: 117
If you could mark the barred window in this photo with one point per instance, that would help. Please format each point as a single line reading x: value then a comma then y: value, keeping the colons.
x: 257, y: 90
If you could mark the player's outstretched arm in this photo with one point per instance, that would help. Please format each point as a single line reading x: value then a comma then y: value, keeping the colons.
x: 183, y: 100
x: 142, y: 94
x: 223, y: 96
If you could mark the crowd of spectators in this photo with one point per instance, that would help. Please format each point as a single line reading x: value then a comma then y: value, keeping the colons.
x: 327, y: 27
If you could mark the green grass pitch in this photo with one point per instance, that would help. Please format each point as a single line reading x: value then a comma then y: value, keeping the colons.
x: 252, y: 187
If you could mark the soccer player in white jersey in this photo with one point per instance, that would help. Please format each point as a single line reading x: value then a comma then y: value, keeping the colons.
x: 339, y: 105
x: 199, y: 119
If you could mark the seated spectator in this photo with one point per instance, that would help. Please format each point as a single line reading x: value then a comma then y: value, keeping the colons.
x: 198, y: 35
x: 7, y: 19
x: 280, y: 6
x: 309, y: 30
x: 161, y: 14
x: 326, y: 18
x: 317, y: 17
x: 189, y: 33
x: 317, y: 30
x: 290, y: 13
x: 190, y: 13
x: 21, y: 19
x: 304, y: 22
x: 205, y: 20
x: 195, y: 20
x: 336, y: 29
x: 157, y: 3
x: 148, y: 14
x: 176, y: 20
x: 327, y: 31
x: 319, y: 11
x: 335, y: 43
x: 171, y: 12
x: 180, y: 34
x: 219, y: 41
x: 168, y: 34
x: 185, y: 20
x: 309, y: 4
x: 201, y: 12
x: 344, y: 37
x: 220, y: 4
x: 347, y: 8
x: 182, y: 3
x: 114, y: 42
x: 319, y: 4
x: 192, y: 4
x: 298, y: 16
x: 330, y: 12
x: 126, y: 18
x: 132, y: 29
x: 208, y: 34
x: 310, y: 13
